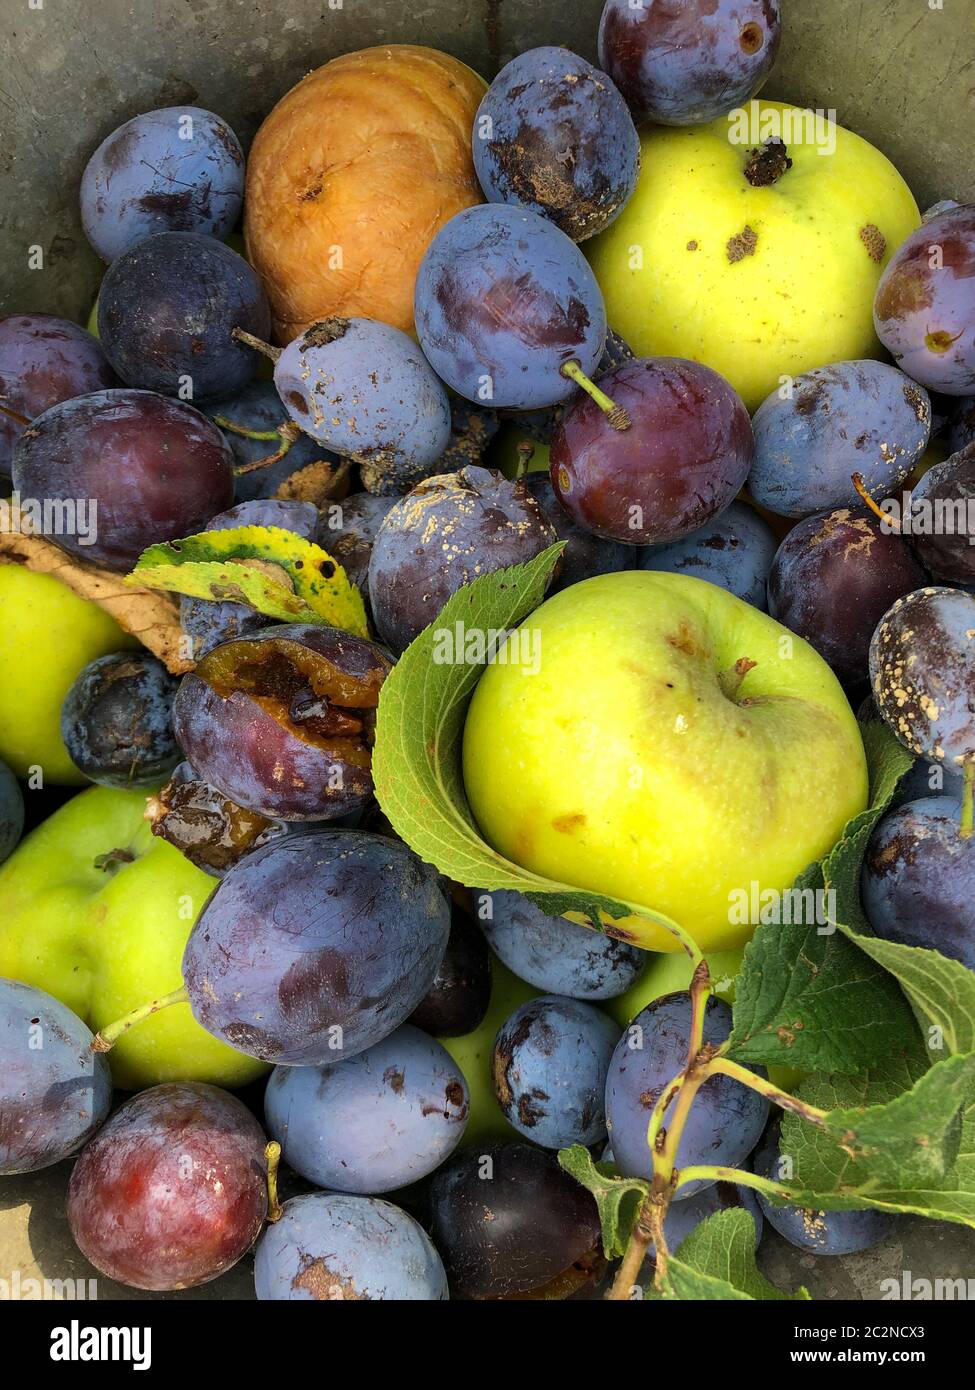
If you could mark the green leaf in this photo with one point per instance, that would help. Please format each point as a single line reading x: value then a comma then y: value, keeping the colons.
x: 617, y: 1198
x: 416, y: 764
x: 688, y: 1285
x: 723, y: 1248
x: 807, y: 996
x: 271, y: 570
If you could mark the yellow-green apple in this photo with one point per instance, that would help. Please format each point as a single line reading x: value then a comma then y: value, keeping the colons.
x: 48, y: 634
x: 760, y: 279
x: 96, y: 911
x: 667, y: 745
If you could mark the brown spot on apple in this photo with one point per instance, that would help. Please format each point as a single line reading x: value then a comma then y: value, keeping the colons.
x: 874, y: 240
x: 742, y: 244
x: 568, y: 824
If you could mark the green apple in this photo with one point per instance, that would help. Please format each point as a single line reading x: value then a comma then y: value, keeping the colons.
x: 96, y: 911
x: 473, y: 1053
x: 668, y: 744
x: 756, y: 282
x: 47, y: 636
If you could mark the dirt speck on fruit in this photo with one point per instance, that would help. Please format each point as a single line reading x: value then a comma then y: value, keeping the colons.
x: 874, y: 240
x: 742, y: 244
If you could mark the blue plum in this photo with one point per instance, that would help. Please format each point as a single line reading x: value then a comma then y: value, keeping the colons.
x: 45, y: 360
x: 373, y: 1122
x: 509, y: 1222
x: 922, y: 670
x: 554, y: 954
x: 924, y: 309
x: 918, y: 879
x: 316, y: 947
x: 348, y: 531
x: 117, y: 720
x: 54, y: 1091
x: 961, y: 430
x: 947, y: 491
x: 925, y: 779
x: 167, y: 310
x: 333, y: 1247
x: 850, y: 417
x: 686, y: 63
x: 365, y: 390
x: 726, y: 1119
x: 177, y: 169
x: 458, y: 999
x: 818, y: 1232
x: 585, y: 554
x: 445, y: 533
x: 503, y: 301
x: 552, y: 134
x: 149, y: 469
x: 734, y: 550
x: 208, y: 622
x: 11, y: 812
x: 683, y: 1217
x: 258, y: 407
x: 832, y: 580
x: 549, y: 1067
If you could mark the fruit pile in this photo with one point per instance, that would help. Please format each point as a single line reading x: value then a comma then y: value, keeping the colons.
x: 454, y: 598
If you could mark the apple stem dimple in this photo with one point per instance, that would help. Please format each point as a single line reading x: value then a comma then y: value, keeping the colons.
x: 258, y: 344
x: 617, y: 416
x: 289, y: 433
x: 968, y: 802
x: 730, y: 681
x: 106, y: 1038
x: 272, y: 1153
x: 861, y: 487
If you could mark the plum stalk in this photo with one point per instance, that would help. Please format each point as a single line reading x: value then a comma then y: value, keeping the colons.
x: 106, y: 1038
x: 615, y: 414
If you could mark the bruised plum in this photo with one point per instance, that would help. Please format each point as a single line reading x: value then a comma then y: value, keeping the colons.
x: 682, y: 460
x: 553, y: 134
x: 283, y: 721
x: 510, y: 1223
x: 173, y: 1190
x: 316, y: 947
x: 117, y: 720
x: 924, y: 310
x: 832, y: 580
x: 447, y: 532
x: 947, y: 546
x: 150, y: 469
x: 212, y: 831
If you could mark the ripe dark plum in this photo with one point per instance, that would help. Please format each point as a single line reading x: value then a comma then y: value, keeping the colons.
x: 924, y: 310
x: 552, y: 134
x: 686, y: 63
x: 961, y: 431
x: 554, y: 954
x: 585, y: 555
x: 725, y: 1122
x: 918, y: 879
x: 834, y: 577
x: 818, y: 1232
x: 347, y: 530
x: 922, y: 670
x: 948, y: 490
x: 212, y: 831
x: 258, y: 407
x: 503, y: 301
x: 850, y: 417
x: 54, y: 1091
x: 173, y: 1190
x: 365, y: 390
x: 925, y: 779
x: 316, y: 947
x: 329, y: 1246
x: 178, y: 169
x: 117, y: 720
x: 155, y: 469
x: 550, y: 1062
x: 373, y: 1122
x: 44, y: 360
x: 683, y: 459
x: 733, y: 550
x: 11, y: 812
x: 208, y: 622
x: 166, y: 312
x: 458, y: 999
x: 510, y: 1223
x: 283, y: 720
x: 447, y: 532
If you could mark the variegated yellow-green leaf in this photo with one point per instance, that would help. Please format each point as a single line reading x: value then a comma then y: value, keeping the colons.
x: 271, y: 570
